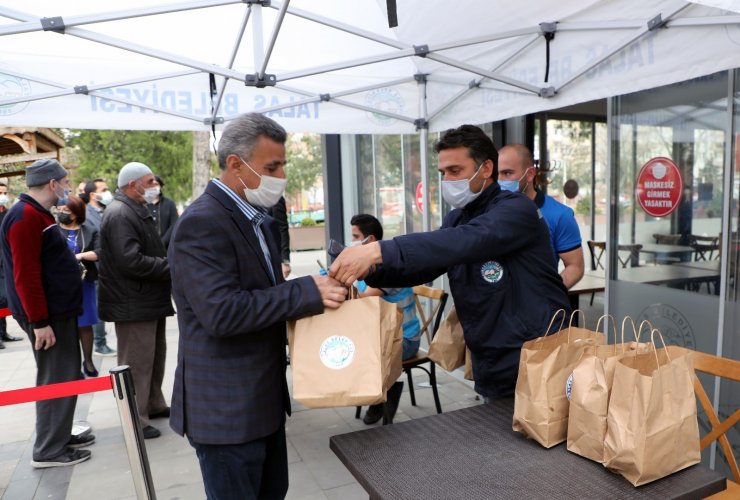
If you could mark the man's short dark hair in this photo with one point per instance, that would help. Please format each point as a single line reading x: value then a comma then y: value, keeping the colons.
x: 480, y: 146
x: 91, y: 186
x: 368, y: 225
x: 242, y: 134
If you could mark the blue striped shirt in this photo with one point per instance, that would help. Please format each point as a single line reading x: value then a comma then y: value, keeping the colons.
x: 256, y: 217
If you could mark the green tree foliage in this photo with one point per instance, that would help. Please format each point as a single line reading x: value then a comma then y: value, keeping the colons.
x: 102, y: 153
x: 304, y: 166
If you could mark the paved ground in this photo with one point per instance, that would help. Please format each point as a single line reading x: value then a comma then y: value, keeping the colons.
x: 315, y: 473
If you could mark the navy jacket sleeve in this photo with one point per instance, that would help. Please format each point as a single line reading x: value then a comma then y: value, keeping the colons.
x: 416, y: 258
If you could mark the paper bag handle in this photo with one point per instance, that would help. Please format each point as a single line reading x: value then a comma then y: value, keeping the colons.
x: 614, y: 327
x: 562, y: 320
x: 572, y: 315
x: 636, y: 332
x: 655, y: 349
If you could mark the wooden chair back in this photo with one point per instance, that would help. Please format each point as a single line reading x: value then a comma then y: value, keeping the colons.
x: 725, y: 368
x: 704, y: 247
x: 597, y: 249
x: 632, y: 257
x: 438, y: 297
x: 667, y: 239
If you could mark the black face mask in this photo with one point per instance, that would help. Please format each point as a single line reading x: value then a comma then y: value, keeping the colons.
x: 64, y: 218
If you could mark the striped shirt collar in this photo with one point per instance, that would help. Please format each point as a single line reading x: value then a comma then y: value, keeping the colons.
x: 255, y: 214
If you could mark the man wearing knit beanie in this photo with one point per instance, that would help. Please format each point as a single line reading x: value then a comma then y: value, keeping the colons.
x: 45, y: 296
x: 134, y: 293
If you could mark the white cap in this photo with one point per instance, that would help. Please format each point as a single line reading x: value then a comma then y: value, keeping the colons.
x: 131, y: 172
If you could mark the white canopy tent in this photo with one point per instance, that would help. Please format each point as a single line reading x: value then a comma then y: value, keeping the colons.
x: 335, y: 66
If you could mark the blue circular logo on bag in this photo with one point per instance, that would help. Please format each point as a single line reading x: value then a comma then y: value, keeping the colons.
x: 337, y: 352
x: 569, y: 385
x: 492, y: 271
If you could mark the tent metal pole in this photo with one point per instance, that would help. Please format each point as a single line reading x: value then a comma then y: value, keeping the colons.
x: 340, y: 102
x: 632, y: 38
x: 423, y: 156
x: 352, y: 30
x: 480, y: 71
x: 347, y: 64
x: 473, y: 85
x: 31, y: 25
x: 357, y: 90
x: 147, y: 51
x: 704, y: 21
x: 273, y: 38
x: 258, y: 49
x: 69, y: 91
x: 232, y: 58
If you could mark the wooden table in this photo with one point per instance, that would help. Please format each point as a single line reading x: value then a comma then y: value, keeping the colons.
x: 590, y: 283
x: 473, y: 453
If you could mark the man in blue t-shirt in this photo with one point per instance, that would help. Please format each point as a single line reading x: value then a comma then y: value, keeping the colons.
x: 366, y: 229
x: 516, y: 172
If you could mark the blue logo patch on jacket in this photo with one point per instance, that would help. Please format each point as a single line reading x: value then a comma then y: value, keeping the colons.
x: 492, y: 271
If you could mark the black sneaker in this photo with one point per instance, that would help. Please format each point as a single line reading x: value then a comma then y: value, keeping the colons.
x: 69, y: 457
x: 373, y: 414
x: 150, y: 432
x: 81, y: 441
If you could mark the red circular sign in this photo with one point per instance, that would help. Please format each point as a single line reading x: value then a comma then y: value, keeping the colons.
x: 419, y: 198
x: 659, y: 187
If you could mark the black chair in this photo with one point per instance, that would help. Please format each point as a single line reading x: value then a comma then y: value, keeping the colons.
x: 632, y: 259
x: 704, y: 247
x: 597, y: 249
x: 429, y: 326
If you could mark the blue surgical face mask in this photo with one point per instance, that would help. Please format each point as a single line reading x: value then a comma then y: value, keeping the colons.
x: 458, y: 193
x: 513, y: 186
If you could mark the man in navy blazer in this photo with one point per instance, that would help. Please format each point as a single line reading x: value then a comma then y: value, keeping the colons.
x: 230, y: 394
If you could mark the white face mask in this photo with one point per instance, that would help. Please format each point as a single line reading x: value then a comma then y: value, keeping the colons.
x: 458, y: 193
x: 269, y: 191
x: 4, y: 199
x: 105, y: 197
x: 151, y: 194
x: 358, y: 243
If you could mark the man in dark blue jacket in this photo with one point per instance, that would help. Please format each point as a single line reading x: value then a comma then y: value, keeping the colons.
x: 495, y: 248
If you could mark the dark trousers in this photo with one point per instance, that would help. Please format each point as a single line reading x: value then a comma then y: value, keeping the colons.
x: 99, y: 334
x: 249, y: 471
x: 61, y: 363
x: 143, y: 347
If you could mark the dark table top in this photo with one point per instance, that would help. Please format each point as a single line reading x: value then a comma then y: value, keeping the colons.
x: 473, y: 453
x: 666, y: 274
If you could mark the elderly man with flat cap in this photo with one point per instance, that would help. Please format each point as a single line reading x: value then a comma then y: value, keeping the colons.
x: 134, y: 288
x: 44, y: 289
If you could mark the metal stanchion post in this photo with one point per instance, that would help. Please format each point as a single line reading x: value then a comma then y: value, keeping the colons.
x: 123, y: 390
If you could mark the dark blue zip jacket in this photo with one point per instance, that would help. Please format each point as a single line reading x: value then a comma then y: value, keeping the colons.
x: 497, y: 254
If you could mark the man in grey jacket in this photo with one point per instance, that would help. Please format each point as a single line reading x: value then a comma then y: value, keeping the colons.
x: 135, y: 288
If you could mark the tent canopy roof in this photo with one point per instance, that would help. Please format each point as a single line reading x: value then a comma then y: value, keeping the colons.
x: 335, y: 66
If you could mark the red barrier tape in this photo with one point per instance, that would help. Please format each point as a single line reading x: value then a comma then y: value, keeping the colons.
x: 53, y: 391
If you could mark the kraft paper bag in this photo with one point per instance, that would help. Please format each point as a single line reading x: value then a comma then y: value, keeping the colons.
x: 589, y: 386
x: 540, y: 401
x: 652, y: 429
x: 448, y: 345
x: 468, y: 375
x: 348, y: 356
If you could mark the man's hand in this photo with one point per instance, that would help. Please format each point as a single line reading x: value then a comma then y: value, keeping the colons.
x: 354, y: 263
x: 332, y: 292
x: 44, y: 338
x: 286, y: 269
